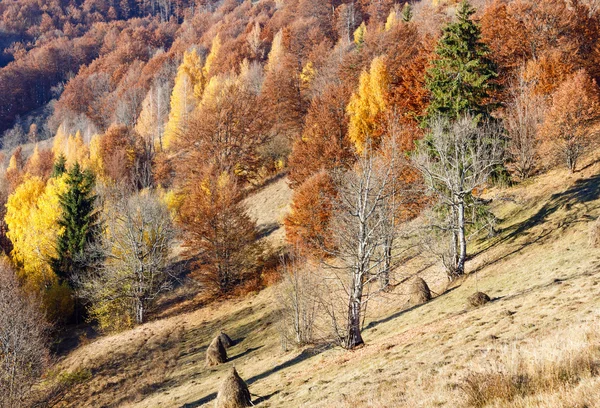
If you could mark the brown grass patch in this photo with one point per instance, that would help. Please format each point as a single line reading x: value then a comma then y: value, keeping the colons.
x: 546, y: 369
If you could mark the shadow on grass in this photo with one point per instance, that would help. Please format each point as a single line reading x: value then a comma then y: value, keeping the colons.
x: 304, y: 355
x: 375, y: 323
x: 243, y: 354
x: 582, y: 191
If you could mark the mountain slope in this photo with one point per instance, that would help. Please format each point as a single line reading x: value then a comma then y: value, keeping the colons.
x: 539, y: 269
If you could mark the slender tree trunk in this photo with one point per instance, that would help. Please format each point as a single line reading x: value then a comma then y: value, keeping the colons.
x: 455, y: 242
x: 462, y: 240
x: 139, y: 312
x: 384, y: 278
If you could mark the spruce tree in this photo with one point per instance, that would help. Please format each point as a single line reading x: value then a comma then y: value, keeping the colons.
x: 60, y: 166
x: 460, y: 79
x: 80, y: 222
x: 407, y: 12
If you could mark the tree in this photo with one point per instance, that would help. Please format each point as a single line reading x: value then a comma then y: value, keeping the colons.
x: 457, y: 158
x: 60, y: 166
x: 23, y: 343
x: 307, y: 224
x: 324, y: 143
x: 40, y: 163
x: 219, y: 232
x: 367, y: 105
x: 14, y: 171
x: 226, y: 130
x: 188, y: 88
x: 155, y: 108
x: 132, y: 266
x: 33, y: 212
x: 79, y: 221
x: 524, y: 117
x: 461, y: 75
x: 407, y: 12
x: 360, y: 233
x: 570, y: 123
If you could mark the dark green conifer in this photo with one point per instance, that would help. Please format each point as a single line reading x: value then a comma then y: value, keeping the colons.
x: 407, y: 12
x: 60, y: 166
x: 461, y: 77
x: 80, y: 222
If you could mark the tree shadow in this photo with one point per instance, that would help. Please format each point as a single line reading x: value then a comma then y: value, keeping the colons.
x: 264, y: 230
x: 245, y: 353
x: 582, y: 191
x: 265, y: 397
x: 304, y: 355
x: 399, y: 313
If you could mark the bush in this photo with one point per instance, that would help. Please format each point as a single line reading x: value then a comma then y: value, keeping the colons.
x: 298, y: 303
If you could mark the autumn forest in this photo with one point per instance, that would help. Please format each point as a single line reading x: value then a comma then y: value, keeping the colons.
x: 135, y: 131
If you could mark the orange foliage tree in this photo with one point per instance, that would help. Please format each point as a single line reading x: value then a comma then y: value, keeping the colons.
x: 219, y: 232
x: 323, y: 144
x: 307, y: 224
x: 571, y: 122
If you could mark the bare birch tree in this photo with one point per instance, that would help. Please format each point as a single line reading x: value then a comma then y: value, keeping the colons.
x: 457, y: 158
x: 364, y: 235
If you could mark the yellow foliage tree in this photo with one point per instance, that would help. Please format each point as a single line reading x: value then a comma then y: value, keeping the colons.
x: 32, y: 214
x: 72, y: 147
x: 308, y: 73
x: 77, y: 151
x: 368, y: 104
x: 212, y: 55
x: 189, y: 86
x: 95, y: 161
x: 359, y: 34
x: 60, y: 142
x: 391, y: 20
x: 276, y: 52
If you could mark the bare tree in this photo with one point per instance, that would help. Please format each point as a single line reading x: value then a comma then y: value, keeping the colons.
x: 298, y: 300
x: 23, y: 352
x: 524, y: 116
x: 133, y: 266
x: 457, y: 158
x: 362, y: 235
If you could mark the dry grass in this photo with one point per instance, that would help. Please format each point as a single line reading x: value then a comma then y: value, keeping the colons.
x: 539, y: 269
x: 595, y: 234
x: 549, y: 369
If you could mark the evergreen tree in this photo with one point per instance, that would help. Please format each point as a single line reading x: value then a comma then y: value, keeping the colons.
x: 461, y: 76
x: 60, y: 166
x: 407, y: 12
x: 79, y: 219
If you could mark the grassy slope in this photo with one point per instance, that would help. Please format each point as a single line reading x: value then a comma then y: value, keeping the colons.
x: 540, y: 269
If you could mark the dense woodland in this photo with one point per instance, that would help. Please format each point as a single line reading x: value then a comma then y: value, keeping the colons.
x: 166, y: 114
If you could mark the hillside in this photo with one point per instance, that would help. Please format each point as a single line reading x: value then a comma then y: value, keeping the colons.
x: 539, y: 270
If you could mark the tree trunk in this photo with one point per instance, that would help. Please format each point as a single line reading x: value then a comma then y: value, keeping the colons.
x: 462, y: 240
x: 354, y: 337
x: 139, y: 312
x: 384, y: 278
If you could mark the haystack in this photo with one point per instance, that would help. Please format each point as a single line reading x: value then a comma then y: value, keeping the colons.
x: 478, y: 299
x: 216, y: 353
x: 419, y: 292
x: 233, y: 392
x: 225, y: 339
